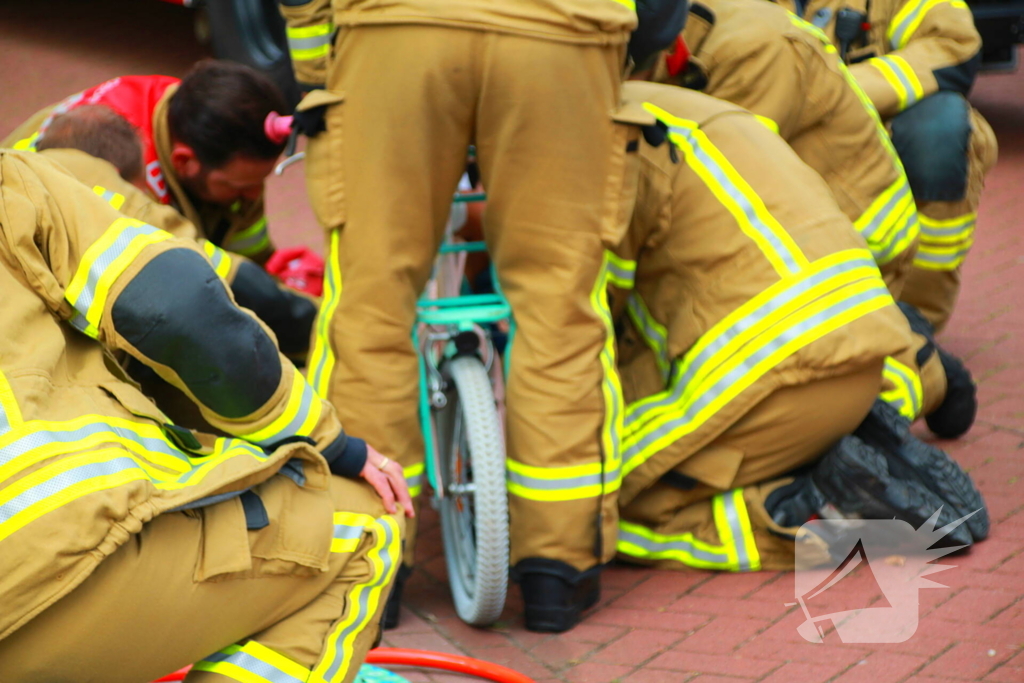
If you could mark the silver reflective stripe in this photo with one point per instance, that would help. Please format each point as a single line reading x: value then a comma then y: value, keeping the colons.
x: 254, y: 237
x: 5, y: 426
x: 954, y: 230
x: 347, y: 532
x: 363, y: 612
x: 247, y: 662
x: 622, y: 275
x: 96, y: 269
x: 884, y: 216
x: 694, y: 365
x: 654, y: 333
x: 952, y: 259
x: 292, y: 428
x: 903, y: 78
x: 897, y: 39
x: 780, y: 249
x: 39, y: 438
x: 414, y: 481
x: 732, y: 517
x: 908, y: 385
x: 310, y: 43
x: 747, y: 365
x: 908, y: 224
x: 62, y: 481
x: 654, y: 550
x: 563, y: 484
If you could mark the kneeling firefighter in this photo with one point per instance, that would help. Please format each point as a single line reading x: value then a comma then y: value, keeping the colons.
x: 754, y: 329
x: 247, y: 553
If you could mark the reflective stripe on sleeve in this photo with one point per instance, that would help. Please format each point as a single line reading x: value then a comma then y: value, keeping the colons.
x: 890, y: 225
x: 219, y: 259
x: 900, y: 76
x: 101, y: 265
x: 115, y: 199
x: 654, y: 333
x: 253, y: 663
x: 909, y: 18
x: 348, y: 529
x: 251, y: 241
x: 321, y: 358
x: 944, y: 243
x: 750, y: 341
x: 299, y: 418
x: 734, y: 193
x: 362, y: 603
x: 310, y: 42
x: 906, y: 394
x: 737, y: 552
x: 621, y: 272
x: 414, y: 479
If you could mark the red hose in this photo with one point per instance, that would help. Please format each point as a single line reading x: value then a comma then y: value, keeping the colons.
x: 446, y: 662
x: 425, y: 659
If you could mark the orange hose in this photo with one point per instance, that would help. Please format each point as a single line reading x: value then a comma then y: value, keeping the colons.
x: 446, y: 662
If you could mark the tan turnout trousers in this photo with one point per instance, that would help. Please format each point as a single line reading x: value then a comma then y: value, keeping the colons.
x: 381, y: 180
x: 190, y: 582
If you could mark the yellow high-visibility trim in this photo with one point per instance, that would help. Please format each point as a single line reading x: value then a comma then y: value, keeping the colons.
x: 219, y: 259
x: 115, y: 199
x: 690, y: 558
x: 611, y: 387
x: 288, y: 671
x: 352, y: 520
x: 629, y: 4
x: 906, y: 395
x: 747, y: 530
x: 295, y: 403
x: 28, y: 144
x: 725, y: 531
x: 9, y: 405
x: 787, y: 260
x: 900, y: 76
x: 309, y: 53
x: 769, y: 123
x: 321, y: 360
x: 909, y: 18
x: 383, y: 559
x: 310, y: 31
x: 413, y: 477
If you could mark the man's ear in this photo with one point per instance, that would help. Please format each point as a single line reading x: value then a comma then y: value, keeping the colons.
x: 184, y: 161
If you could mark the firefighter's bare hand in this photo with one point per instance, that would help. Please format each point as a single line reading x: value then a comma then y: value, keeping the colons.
x: 386, y: 477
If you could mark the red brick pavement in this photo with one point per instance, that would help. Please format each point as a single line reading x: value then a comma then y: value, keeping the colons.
x: 661, y: 627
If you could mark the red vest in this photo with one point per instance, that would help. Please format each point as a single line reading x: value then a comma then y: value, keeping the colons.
x: 134, y: 98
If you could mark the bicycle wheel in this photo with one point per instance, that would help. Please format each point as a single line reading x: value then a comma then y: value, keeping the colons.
x: 474, y: 509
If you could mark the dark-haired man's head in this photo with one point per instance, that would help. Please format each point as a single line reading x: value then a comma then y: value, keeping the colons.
x: 220, y: 151
x: 101, y: 132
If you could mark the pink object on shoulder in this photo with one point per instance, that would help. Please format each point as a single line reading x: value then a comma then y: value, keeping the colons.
x: 277, y: 127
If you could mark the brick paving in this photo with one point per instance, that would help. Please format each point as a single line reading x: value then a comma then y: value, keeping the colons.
x: 664, y: 627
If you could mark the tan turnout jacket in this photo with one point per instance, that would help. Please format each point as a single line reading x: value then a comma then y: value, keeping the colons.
x: 85, y: 458
x: 765, y: 59
x: 748, y: 279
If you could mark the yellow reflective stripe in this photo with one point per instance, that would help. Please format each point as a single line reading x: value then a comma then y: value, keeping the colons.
x: 611, y: 387
x: 906, y: 394
x: 115, y: 199
x: 733, y: 192
x: 250, y: 241
x: 310, y: 42
x: 629, y: 4
x: 768, y: 123
x: 28, y: 144
x: 909, y: 18
x: 890, y: 224
x: 748, y: 343
x: 307, y: 54
x: 310, y: 31
x: 299, y: 417
x: 321, y: 360
x: 621, y: 272
x: 253, y: 663
x: 362, y: 603
x: 414, y: 478
x: 10, y: 413
x: 654, y: 333
x: 945, y: 243
x: 901, y: 78
x: 348, y: 531
x: 737, y: 552
x: 102, y: 264
x: 219, y: 259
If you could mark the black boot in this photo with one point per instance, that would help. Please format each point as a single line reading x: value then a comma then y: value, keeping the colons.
x: 909, y: 458
x: 392, y: 608
x: 795, y: 503
x: 957, y: 411
x: 554, y: 593
x: 856, y: 478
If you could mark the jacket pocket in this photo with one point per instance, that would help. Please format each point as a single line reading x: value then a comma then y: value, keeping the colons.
x: 624, y: 171
x: 325, y: 177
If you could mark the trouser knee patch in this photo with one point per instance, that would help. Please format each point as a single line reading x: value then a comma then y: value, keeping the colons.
x: 932, y: 139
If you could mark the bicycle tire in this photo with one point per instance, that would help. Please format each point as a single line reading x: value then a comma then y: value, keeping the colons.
x: 474, y: 526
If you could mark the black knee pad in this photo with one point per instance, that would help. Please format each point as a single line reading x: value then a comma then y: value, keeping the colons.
x: 932, y: 138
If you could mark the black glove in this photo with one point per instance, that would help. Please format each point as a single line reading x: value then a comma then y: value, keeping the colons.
x: 311, y: 121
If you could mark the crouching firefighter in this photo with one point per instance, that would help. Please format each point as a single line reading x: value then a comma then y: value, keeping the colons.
x: 246, y: 551
x: 754, y: 328
x: 763, y: 58
x: 917, y: 61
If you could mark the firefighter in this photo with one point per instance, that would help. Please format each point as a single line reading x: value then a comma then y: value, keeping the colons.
x: 757, y: 328
x: 917, y: 61
x: 245, y: 554
x: 205, y: 149
x: 532, y: 84
x: 763, y: 58
x: 102, y: 150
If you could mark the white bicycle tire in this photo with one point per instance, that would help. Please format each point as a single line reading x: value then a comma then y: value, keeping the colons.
x: 476, y: 539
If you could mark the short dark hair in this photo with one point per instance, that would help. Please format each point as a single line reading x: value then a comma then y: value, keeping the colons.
x: 99, y: 131
x: 219, y: 110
